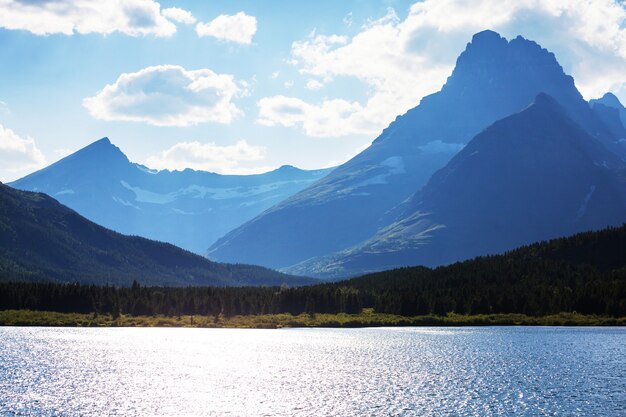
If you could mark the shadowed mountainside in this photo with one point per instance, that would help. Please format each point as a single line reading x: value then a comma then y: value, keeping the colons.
x: 493, y: 78
x: 531, y: 176
x: 41, y: 240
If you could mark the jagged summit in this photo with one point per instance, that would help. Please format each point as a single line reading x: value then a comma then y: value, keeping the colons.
x: 484, y: 44
x: 101, y: 145
x: 491, y: 61
x: 487, y: 36
x: 103, y: 141
x: 100, y: 152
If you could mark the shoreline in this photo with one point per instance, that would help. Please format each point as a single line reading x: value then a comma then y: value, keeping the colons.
x: 367, y: 318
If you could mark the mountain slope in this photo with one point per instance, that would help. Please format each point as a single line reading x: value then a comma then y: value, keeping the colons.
x: 585, y: 273
x: 40, y: 239
x: 611, y: 102
x: 493, y: 78
x: 531, y: 176
x: 190, y: 209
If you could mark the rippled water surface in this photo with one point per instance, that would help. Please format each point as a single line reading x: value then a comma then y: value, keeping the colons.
x: 313, y: 372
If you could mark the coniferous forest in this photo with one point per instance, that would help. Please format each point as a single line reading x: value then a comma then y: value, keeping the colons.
x: 585, y: 273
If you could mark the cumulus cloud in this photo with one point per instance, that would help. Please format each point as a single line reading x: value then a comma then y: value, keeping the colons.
x: 210, y: 157
x: 314, y: 85
x: 331, y: 118
x: 168, y: 95
x: 179, y: 15
x: 238, y: 28
x: 18, y: 156
x: 401, y: 60
x: 132, y: 17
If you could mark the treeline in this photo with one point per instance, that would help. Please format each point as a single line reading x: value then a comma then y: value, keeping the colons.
x: 487, y: 285
x: 585, y: 273
x: 173, y: 301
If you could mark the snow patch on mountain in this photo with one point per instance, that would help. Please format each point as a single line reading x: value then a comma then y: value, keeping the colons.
x: 125, y: 203
x: 145, y: 196
x: 439, y: 146
x: 583, y: 207
x: 202, y: 192
x: 65, y: 191
x: 146, y: 169
x: 394, y: 165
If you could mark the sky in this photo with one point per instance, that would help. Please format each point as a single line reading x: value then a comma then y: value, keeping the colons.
x: 241, y: 87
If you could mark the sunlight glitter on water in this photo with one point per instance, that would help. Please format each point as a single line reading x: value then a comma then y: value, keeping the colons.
x: 313, y: 372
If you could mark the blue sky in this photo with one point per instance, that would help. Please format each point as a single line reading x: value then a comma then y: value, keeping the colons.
x: 247, y: 86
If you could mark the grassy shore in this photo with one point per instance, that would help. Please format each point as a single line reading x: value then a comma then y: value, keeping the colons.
x: 367, y: 318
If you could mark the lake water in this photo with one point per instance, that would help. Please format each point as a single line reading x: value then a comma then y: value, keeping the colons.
x: 313, y: 372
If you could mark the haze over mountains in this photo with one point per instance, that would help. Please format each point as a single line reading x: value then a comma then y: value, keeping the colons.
x: 493, y: 79
x: 190, y: 209
x: 42, y: 240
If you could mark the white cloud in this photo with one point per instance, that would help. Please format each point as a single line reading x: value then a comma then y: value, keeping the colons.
x: 331, y: 118
x: 132, y: 17
x: 179, y: 15
x: 400, y: 61
x: 62, y: 152
x: 210, y: 157
x: 18, y: 156
x: 275, y: 75
x: 239, y: 28
x: 347, y: 20
x: 336, y: 162
x: 168, y: 95
x: 288, y: 84
x: 314, y: 85
x: 4, y: 108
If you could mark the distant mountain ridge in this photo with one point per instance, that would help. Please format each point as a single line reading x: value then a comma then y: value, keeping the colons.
x: 493, y: 79
x: 610, y: 101
x: 42, y: 240
x: 190, y: 209
x: 532, y: 176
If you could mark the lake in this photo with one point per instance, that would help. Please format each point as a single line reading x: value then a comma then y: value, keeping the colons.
x: 491, y: 371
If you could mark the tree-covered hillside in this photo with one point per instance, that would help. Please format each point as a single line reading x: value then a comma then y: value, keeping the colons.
x: 42, y: 240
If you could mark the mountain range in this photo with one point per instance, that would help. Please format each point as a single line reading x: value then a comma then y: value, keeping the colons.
x: 532, y: 176
x: 189, y: 209
x: 42, y: 240
x: 364, y: 200
x: 506, y: 153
